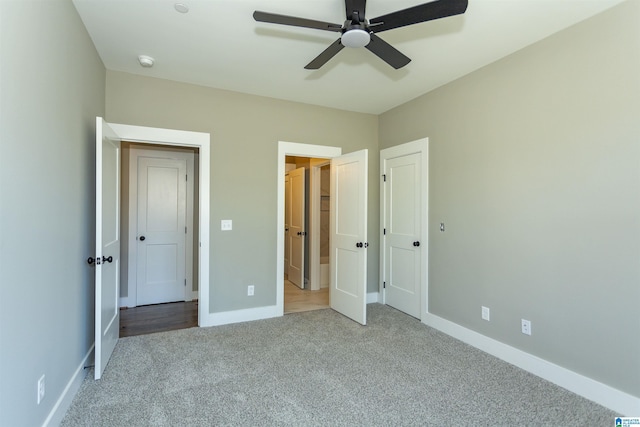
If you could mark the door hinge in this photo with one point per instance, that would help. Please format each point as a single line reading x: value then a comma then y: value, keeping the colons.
x: 384, y: 285
x: 185, y: 283
x: 384, y: 231
x: 185, y: 230
x: 384, y: 177
x: 186, y: 177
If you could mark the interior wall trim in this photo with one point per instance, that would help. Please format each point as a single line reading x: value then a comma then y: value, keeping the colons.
x: 258, y: 313
x: 65, y: 399
x: 622, y: 403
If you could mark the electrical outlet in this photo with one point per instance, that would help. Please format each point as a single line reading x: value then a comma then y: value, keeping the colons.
x: 526, y: 327
x: 41, y: 389
x: 250, y: 290
x: 485, y: 313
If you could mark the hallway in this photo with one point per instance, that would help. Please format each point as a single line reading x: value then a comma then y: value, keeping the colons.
x: 297, y: 300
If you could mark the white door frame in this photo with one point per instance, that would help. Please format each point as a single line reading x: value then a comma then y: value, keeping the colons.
x: 298, y: 150
x: 418, y: 146
x: 136, y: 151
x: 200, y: 140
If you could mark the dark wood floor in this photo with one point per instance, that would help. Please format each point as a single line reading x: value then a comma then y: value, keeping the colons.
x: 147, y: 319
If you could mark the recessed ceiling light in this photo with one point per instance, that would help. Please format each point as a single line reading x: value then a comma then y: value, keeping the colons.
x: 146, y: 61
x: 181, y: 7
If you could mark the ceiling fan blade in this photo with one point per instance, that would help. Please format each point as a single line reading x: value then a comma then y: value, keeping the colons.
x: 425, y: 12
x: 355, y: 6
x: 387, y: 53
x: 274, y: 18
x: 326, y: 55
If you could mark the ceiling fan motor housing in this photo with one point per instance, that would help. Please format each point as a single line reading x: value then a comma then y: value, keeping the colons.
x: 355, y: 36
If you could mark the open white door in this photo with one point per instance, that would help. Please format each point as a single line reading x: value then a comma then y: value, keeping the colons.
x: 297, y: 228
x: 107, y: 272
x: 348, y: 257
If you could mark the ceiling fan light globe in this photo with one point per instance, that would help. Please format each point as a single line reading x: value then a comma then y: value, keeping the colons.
x: 355, y: 38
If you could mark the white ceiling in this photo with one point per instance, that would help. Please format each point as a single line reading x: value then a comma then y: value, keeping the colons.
x: 218, y: 44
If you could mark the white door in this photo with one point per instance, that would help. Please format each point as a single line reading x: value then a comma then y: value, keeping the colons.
x: 297, y: 228
x: 287, y: 220
x: 107, y: 271
x: 402, y: 224
x: 161, y: 230
x: 348, y: 257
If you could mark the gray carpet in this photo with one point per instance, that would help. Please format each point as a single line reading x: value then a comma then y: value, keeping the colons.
x: 319, y: 368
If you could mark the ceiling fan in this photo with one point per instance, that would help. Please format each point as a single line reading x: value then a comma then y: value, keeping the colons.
x: 357, y: 31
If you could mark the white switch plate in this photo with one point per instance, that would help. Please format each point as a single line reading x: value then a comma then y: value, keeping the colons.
x: 250, y: 290
x: 486, y: 313
x: 41, y: 389
x: 226, y: 225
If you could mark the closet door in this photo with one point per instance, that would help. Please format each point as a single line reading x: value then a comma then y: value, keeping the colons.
x: 287, y: 221
x: 297, y: 228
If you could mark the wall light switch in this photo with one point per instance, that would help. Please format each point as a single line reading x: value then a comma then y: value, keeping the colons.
x: 226, y: 225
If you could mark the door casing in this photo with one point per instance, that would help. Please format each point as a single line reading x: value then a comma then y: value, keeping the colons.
x: 201, y: 141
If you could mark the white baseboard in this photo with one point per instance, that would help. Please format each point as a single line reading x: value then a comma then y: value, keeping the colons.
x: 618, y: 401
x: 237, y: 316
x: 249, y: 314
x: 64, y: 401
x: 373, y: 297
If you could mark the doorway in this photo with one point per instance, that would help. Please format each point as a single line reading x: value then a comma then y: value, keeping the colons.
x: 158, y: 224
x: 306, y: 206
x: 348, y: 223
x: 294, y: 150
x: 107, y: 230
x: 158, y: 290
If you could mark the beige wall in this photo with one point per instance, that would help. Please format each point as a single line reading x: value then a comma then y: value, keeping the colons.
x: 245, y: 131
x: 52, y: 84
x: 535, y: 169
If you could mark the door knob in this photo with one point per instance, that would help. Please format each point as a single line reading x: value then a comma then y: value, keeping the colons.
x: 91, y: 260
x: 107, y: 259
x: 359, y: 245
x: 416, y: 243
x: 142, y: 238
